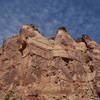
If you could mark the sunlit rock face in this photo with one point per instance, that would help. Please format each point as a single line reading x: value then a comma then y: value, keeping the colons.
x: 33, y: 67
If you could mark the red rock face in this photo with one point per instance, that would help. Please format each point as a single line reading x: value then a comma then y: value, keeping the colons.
x: 33, y: 67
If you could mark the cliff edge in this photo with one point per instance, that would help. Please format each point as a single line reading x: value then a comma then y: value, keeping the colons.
x: 33, y: 67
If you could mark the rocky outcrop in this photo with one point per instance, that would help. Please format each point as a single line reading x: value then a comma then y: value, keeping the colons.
x: 33, y: 67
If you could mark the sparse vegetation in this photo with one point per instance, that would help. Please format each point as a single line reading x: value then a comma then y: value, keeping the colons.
x: 36, y: 95
x: 10, y: 94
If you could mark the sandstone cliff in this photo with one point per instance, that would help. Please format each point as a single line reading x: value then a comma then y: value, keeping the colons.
x: 33, y: 67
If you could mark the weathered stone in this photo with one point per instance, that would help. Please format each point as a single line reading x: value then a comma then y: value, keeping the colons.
x: 33, y: 67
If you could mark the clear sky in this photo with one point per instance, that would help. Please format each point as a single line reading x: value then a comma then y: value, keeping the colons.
x: 78, y: 16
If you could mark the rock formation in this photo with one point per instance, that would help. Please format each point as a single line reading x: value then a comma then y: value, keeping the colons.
x: 33, y: 67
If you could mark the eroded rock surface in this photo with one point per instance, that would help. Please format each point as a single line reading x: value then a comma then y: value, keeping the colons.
x: 33, y: 67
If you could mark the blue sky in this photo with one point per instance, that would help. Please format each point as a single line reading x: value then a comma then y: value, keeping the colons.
x: 78, y: 16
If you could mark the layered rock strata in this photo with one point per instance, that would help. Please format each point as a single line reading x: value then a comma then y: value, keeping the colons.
x: 33, y: 67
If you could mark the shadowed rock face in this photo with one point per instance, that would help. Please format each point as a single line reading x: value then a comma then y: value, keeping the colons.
x: 33, y: 67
